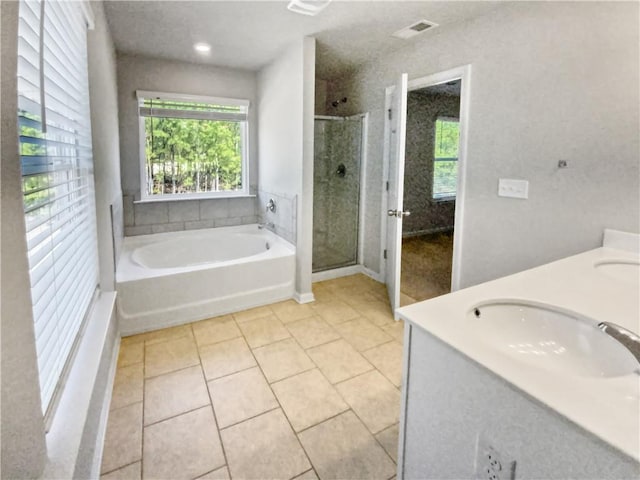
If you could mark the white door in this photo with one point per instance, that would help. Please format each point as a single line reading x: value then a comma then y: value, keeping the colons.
x: 398, y: 126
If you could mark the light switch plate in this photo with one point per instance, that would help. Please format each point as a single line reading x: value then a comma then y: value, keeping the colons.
x: 508, y: 187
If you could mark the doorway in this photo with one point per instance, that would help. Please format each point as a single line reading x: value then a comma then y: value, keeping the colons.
x: 442, y: 177
x: 430, y: 187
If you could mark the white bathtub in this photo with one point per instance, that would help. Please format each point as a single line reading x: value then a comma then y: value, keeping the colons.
x: 173, y: 278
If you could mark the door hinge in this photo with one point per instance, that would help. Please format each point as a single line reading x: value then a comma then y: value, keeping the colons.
x: 384, y: 254
x: 389, y: 113
x: 387, y: 186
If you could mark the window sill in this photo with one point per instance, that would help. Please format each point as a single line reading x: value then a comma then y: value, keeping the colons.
x: 443, y: 200
x: 181, y: 198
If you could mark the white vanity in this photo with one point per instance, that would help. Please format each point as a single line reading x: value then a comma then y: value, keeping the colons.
x: 513, y: 378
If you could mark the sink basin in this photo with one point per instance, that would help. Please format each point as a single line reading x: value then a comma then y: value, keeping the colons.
x: 551, y: 338
x: 627, y: 271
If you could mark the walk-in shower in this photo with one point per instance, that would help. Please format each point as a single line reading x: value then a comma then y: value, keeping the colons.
x: 336, y: 191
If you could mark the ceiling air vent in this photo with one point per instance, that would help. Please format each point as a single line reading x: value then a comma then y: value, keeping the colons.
x: 308, y: 7
x: 414, y: 29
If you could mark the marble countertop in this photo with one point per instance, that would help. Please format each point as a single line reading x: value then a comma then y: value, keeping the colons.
x: 609, y: 407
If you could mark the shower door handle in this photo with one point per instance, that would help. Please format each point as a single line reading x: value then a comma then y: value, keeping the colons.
x: 398, y: 213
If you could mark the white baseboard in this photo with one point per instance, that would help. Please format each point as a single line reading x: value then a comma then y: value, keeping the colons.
x: 336, y: 273
x: 371, y: 274
x: 304, y: 297
x: 104, y: 417
x: 428, y: 231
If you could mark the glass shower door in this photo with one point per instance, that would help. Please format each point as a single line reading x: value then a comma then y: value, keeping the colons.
x: 336, y: 192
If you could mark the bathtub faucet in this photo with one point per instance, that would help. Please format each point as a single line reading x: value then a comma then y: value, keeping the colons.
x: 271, y: 206
x: 268, y: 225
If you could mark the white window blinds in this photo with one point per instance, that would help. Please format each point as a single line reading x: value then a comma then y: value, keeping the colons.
x: 57, y: 178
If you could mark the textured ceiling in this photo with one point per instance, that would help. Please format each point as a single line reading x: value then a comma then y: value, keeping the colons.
x: 250, y: 34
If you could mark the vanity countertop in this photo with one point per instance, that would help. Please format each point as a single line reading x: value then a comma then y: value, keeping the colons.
x: 607, y: 407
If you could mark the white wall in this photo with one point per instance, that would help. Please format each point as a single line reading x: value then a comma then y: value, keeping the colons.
x: 287, y: 96
x: 23, y: 440
x: 106, y: 144
x: 549, y: 81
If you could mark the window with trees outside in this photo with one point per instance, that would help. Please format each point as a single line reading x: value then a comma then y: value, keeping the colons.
x: 445, y: 158
x: 192, y: 146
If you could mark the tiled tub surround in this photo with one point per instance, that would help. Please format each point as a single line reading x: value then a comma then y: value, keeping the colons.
x: 278, y: 392
x: 284, y: 217
x: 173, y: 278
x: 143, y: 218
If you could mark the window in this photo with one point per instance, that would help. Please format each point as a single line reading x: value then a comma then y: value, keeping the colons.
x: 445, y: 158
x: 57, y: 179
x: 192, y: 146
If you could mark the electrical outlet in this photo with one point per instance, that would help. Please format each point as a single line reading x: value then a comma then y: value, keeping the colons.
x: 509, y: 187
x: 491, y: 464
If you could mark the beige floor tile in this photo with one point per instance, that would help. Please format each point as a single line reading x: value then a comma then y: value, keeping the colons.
x: 264, y: 331
x: 378, y: 313
x: 342, y: 447
x: 290, y: 311
x: 264, y: 447
x: 215, y: 330
x: 130, y: 472
x: 252, y: 314
x: 127, y: 386
x: 182, y: 447
x: 282, y: 359
x: 123, y: 439
x: 338, y: 360
x: 219, y: 474
x: 312, y: 331
x: 308, y: 475
x: 388, y: 359
x: 157, y: 336
x: 174, y: 393
x: 170, y: 356
x: 322, y: 293
x: 241, y: 396
x: 308, y: 399
x: 396, y: 330
x: 388, y: 438
x: 374, y: 399
x: 406, y: 300
x: 225, y: 358
x: 130, y: 354
x: 335, y: 312
x: 362, y: 334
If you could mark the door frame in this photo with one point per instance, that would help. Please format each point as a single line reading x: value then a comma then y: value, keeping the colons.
x: 462, y: 73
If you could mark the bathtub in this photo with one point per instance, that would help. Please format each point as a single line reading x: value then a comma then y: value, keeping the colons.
x: 168, y: 279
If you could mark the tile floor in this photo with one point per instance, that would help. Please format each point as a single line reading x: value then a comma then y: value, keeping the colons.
x: 285, y: 391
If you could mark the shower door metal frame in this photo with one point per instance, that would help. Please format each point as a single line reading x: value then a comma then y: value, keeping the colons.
x: 362, y: 187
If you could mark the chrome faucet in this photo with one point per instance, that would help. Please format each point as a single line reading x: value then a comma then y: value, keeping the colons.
x: 271, y: 205
x: 628, y: 339
x: 268, y: 225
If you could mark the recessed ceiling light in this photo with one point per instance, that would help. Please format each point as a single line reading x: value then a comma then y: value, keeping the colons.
x: 308, y: 7
x: 202, y: 47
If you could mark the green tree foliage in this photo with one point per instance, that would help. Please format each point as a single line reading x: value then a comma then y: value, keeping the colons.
x: 189, y: 156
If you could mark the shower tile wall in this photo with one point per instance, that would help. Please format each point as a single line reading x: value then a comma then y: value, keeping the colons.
x: 284, y: 218
x: 336, y: 197
x: 171, y: 216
